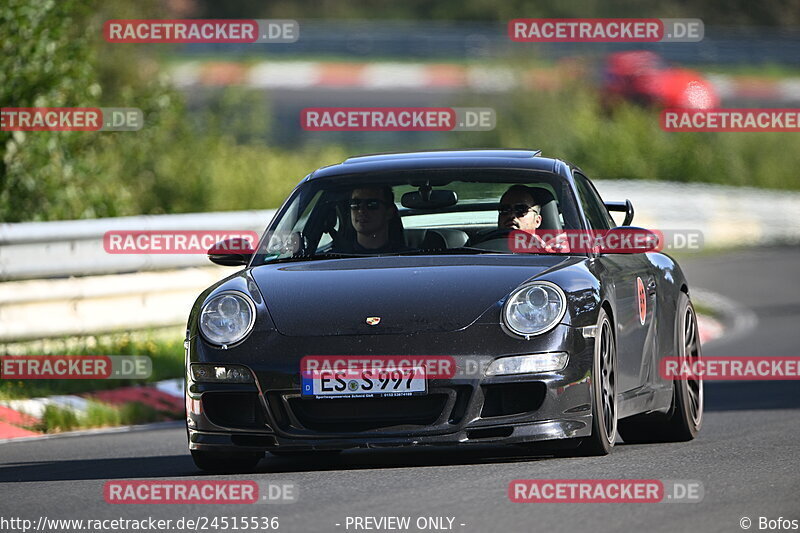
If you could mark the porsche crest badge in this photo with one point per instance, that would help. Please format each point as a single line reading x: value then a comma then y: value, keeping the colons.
x: 373, y: 320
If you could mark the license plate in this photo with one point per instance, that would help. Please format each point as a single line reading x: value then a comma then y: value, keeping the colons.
x: 375, y: 383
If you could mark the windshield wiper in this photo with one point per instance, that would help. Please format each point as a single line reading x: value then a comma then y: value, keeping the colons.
x: 462, y: 250
x: 315, y: 257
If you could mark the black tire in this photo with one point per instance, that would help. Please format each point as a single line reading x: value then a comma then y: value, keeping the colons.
x: 604, y: 391
x: 226, y: 463
x: 685, y: 417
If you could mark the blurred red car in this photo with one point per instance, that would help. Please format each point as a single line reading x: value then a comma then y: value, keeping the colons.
x: 643, y: 77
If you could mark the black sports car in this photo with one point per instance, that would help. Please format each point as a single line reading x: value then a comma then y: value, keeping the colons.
x: 397, y: 261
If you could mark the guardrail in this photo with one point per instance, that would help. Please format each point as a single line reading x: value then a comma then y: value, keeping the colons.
x: 60, y: 281
x: 35, y: 250
x: 727, y: 216
x: 732, y: 45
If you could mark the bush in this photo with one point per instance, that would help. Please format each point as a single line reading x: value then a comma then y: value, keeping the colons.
x: 138, y: 413
x: 55, y: 419
x: 53, y: 55
x: 101, y: 415
x: 166, y: 354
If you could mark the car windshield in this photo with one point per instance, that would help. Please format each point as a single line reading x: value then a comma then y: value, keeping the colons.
x: 415, y: 212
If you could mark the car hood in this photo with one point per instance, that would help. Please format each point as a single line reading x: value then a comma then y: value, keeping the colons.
x: 408, y: 294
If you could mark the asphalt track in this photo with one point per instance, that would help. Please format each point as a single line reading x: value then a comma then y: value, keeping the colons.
x: 747, y: 456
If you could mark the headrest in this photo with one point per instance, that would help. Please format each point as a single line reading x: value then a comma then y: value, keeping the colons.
x: 549, y: 208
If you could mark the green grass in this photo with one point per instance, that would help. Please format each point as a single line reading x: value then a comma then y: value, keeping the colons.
x: 628, y: 142
x: 162, y: 346
x: 222, y: 161
x: 767, y: 71
x: 57, y: 419
x: 167, y: 356
x: 702, y: 308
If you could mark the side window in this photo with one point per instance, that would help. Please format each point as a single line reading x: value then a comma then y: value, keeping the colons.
x: 327, y: 238
x: 303, y: 219
x: 593, y: 207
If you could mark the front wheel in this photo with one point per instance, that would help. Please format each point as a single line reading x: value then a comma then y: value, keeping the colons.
x: 226, y: 463
x: 604, y: 391
x: 685, y: 417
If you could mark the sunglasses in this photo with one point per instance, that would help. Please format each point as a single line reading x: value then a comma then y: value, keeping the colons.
x: 371, y: 204
x: 519, y: 210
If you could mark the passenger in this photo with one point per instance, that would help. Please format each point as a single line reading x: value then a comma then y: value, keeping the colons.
x: 519, y: 209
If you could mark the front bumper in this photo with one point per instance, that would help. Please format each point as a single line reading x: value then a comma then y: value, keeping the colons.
x: 464, y: 409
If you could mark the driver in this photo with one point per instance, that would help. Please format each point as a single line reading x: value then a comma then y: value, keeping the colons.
x: 373, y: 214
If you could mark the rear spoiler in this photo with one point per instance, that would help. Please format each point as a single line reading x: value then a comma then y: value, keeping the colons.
x: 624, y: 207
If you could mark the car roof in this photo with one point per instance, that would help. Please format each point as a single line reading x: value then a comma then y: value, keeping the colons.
x: 442, y: 159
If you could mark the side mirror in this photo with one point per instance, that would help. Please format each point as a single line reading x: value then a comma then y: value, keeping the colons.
x: 629, y: 240
x: 429, y: 199
x: 231, y: 252
x: 624, y: 207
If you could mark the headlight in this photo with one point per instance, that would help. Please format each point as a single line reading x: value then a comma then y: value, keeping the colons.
x: 208, y: 373
x: 528, y: 364
x: 227, y: 318
x: 534, y: 308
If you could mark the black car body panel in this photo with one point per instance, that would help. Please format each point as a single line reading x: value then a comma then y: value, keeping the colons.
x: 413, y: 294
x: 449, y: 305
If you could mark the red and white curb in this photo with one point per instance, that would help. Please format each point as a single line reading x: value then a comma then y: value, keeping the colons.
x: 10, y: 422
x: 435, y: 76
x: 16, y: 416
x: 709, y: 329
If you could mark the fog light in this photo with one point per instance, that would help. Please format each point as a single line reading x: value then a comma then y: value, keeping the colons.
x: 527, y: 364
x: 221, y: 374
